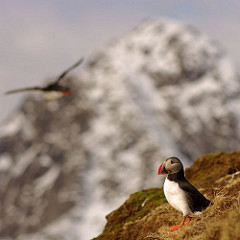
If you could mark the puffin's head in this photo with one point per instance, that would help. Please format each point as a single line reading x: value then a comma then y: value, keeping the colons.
x: 170, y: 166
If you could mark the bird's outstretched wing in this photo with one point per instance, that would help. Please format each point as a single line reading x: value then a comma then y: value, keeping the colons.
x: 24, y: 90
x: 68, y: 70
x: 52, y: 84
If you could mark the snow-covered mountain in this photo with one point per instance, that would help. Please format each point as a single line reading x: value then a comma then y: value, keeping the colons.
x: 163, y: 89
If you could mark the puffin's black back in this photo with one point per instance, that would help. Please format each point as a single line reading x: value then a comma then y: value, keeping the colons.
x: 196, y: 201
x: 55, y: 87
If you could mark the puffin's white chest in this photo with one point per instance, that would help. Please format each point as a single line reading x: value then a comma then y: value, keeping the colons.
x: 176, y: 197
x: 52, y: 95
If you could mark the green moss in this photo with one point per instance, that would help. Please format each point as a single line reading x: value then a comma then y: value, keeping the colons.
x: 145, y: 201
x: 137, y: 206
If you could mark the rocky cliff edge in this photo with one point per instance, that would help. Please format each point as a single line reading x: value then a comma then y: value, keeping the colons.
x: 146, y: 215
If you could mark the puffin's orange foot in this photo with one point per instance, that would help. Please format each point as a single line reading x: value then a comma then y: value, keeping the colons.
x: 188, y: 220
x: 173, y: 228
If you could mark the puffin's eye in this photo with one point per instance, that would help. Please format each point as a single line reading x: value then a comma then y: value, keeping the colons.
x: 171, y: 161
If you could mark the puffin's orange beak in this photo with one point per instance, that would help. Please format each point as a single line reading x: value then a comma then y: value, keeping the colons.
x: 160, y: 172
x: 67, y: 93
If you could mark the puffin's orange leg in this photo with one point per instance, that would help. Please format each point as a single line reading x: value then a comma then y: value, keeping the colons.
x: 173, y: 228
x: 188, y: 220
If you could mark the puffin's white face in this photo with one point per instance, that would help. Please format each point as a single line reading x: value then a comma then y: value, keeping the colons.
x: 170, y: 166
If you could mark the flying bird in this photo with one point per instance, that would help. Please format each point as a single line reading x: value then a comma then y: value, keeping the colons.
x: 53, y: 90
x: 180, y: 193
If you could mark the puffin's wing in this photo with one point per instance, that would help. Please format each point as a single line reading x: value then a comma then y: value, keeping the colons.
x: 24, y: 90
x: 196, y: 201
x: 68, y: 70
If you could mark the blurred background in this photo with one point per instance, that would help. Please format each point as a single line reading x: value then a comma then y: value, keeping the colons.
x: 39, y: 39
x: 159, y: 78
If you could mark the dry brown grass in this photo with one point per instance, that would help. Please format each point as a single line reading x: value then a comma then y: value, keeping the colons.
x: 221, y: 220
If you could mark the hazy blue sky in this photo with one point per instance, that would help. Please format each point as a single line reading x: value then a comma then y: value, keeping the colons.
x: 39, y: 39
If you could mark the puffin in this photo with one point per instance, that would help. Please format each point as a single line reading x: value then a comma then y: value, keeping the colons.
x: 179, y: 192
x: 53, y: 90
